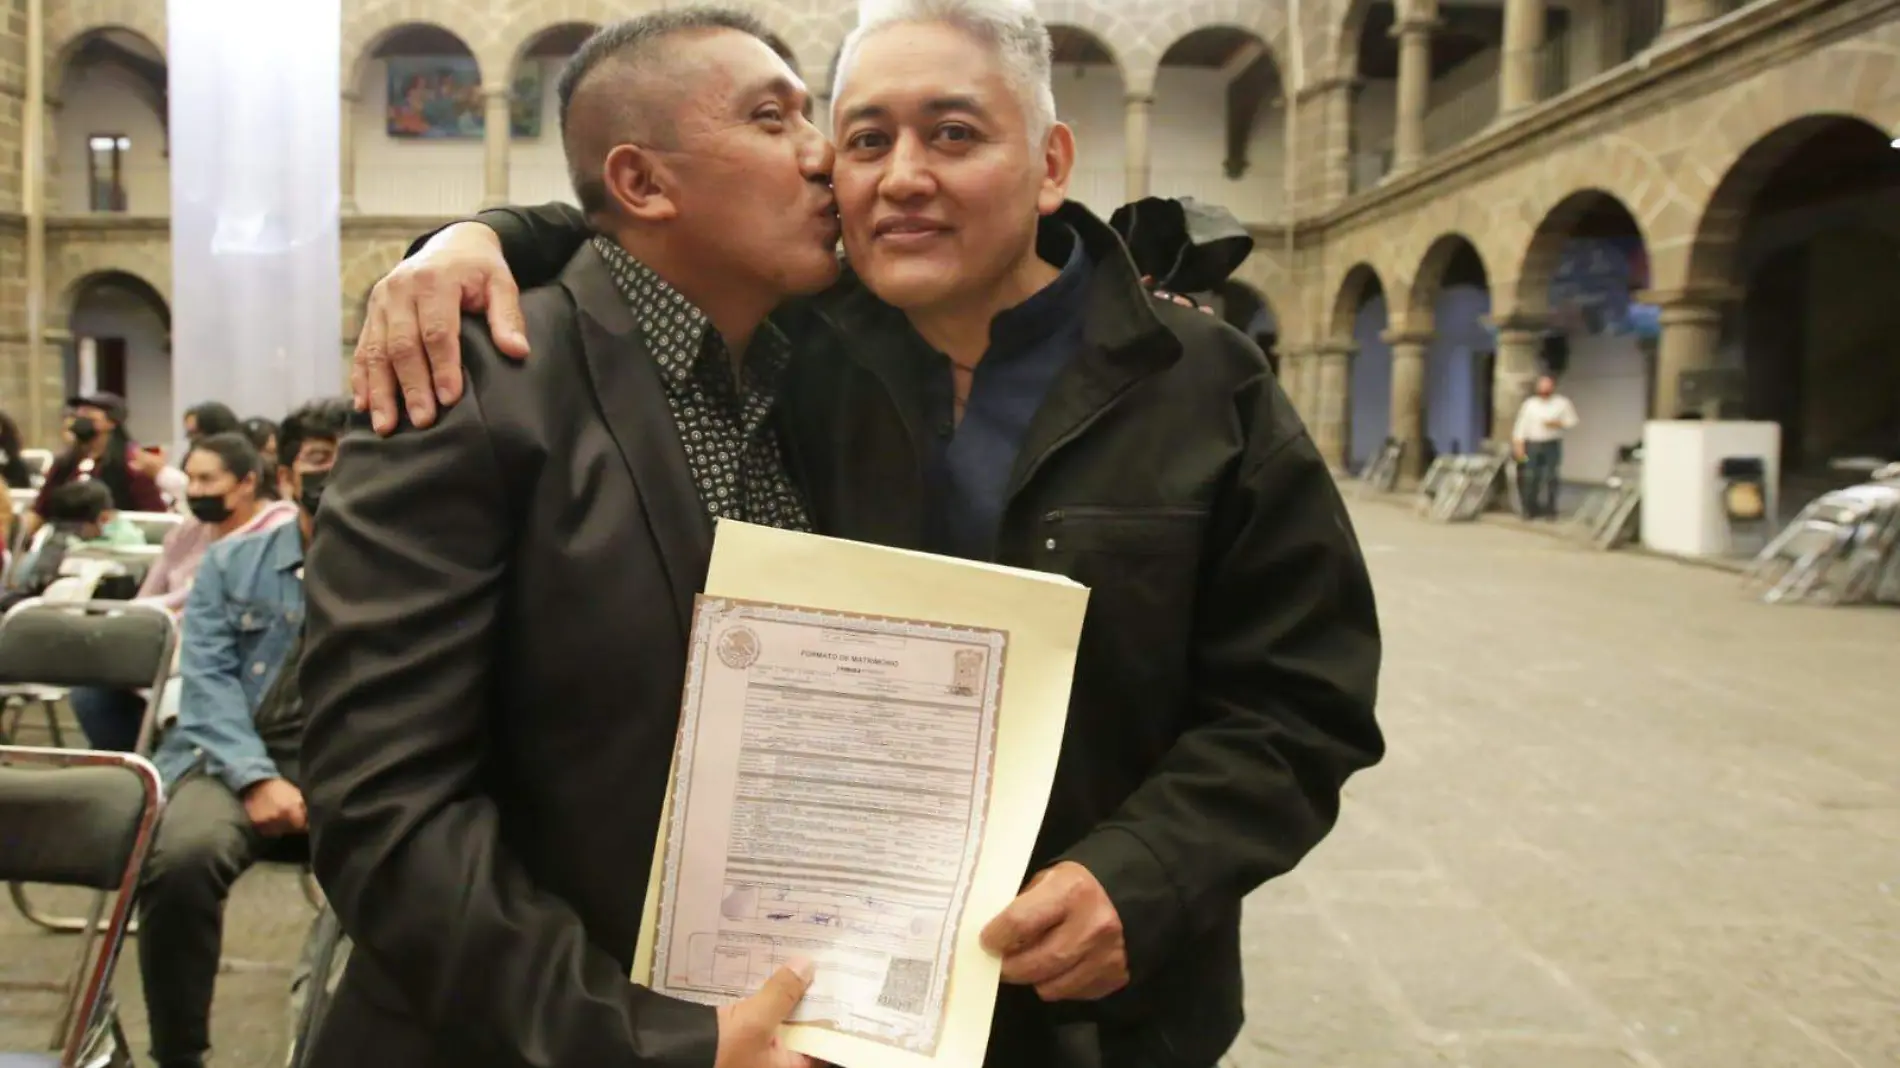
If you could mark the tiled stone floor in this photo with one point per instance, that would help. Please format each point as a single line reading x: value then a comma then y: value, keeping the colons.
x: 1630, y: 817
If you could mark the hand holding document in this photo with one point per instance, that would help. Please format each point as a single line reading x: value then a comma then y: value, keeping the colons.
x: 867, y: 742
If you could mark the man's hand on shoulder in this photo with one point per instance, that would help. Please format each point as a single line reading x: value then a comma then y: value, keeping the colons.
x: 748, y: 1029
x: 409, y: 354
x: 1062, y: 935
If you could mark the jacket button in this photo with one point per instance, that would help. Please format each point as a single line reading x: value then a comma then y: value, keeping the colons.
x: 257, y: 668
x: 1050, y: 544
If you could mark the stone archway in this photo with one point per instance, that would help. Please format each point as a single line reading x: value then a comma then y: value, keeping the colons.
x: 1448, y: 306
x: 1233, y: 70
x: 69, y: 24
x: 1360, y: 358
x: 1581, y: 310
x: 120, y: 329
x: 1798, y: 253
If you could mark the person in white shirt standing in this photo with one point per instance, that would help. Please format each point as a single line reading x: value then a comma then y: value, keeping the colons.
x: 1538, y: 439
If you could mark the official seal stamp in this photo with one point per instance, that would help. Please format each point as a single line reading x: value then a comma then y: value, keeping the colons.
x: 968, y: 673
x: 738, y: 648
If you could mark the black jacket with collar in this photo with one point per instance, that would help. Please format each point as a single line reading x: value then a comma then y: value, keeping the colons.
x: 1226, y: 680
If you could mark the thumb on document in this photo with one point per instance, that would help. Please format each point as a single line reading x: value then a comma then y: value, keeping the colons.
x: 781, y: 992
x: 748, y: 1029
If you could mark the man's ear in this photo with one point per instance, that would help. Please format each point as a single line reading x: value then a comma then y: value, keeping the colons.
x: 639, y: 183
x: 1058, y: 162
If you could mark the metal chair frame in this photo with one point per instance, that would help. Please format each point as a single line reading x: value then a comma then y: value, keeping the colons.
x: 88, y: 1032
x: 327, y: 950
x: 43, y: 694
x: 1433, y: 481
x: 1843, y: 548
x: 1381, y: 471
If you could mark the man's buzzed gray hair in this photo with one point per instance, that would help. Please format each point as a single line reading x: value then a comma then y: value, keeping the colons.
x: 633, y: 42
x: 1011, y: 28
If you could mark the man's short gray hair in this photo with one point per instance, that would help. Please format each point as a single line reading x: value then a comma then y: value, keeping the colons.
x: 1011, y: 28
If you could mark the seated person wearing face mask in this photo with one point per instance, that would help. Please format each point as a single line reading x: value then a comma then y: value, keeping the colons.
x: 98, y: 449
x: 224, y: 477
x: 230, y: 763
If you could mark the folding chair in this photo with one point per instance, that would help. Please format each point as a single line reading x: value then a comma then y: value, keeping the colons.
x: 38, y: 462
x: 1433, y: 482
x: 154, y: 525
x: 119, y: 645
x: 87, y: 820
x: 326, y: 953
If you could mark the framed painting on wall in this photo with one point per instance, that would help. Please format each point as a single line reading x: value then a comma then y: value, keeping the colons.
x: 440, y: 97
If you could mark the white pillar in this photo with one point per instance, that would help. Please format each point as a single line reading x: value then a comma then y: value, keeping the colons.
x: 497, y: 129
x: 346, y: 145
x: 1691, y: 334
x: 1515, y: 370
x: 1333, y: 399
x: 1139, y: 107
x: 1414, y: 93
x: 1408, y: 399
x: 1520, y: 80
x: 256, y: 272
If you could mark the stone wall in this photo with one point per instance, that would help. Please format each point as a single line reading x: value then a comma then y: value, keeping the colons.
x: 1679, y: 137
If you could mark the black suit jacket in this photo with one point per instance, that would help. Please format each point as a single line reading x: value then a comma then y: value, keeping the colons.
x: 498, y: 619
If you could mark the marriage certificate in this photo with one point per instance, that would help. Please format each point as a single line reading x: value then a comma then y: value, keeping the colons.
x: 867, y: 741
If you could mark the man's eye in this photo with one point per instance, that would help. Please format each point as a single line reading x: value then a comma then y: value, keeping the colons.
x: 769, y: 113
x: 865, y: 139
x: 956, y: 131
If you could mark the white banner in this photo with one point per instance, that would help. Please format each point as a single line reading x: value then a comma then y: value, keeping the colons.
x: 256, y: 287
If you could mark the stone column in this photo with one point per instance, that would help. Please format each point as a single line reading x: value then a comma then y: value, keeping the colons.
x: 346, y: 132
x: 1519, y: 78
x: 1680, y: 16
x: 1691, y: 331
x: 497, y: 123
x: 1138, y: 108
x: 1414, y: 32
x: 1514, y: 373
x: 1408, y: 398
x: 1334, y: 367
x: 1293, y: 375
x: 1321, y: 157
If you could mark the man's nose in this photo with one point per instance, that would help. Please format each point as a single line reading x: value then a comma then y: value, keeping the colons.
x: 815, y: 154
x: 907, y: 170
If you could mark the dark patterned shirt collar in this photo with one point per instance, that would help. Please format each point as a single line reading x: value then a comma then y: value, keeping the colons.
x: 679, y: 335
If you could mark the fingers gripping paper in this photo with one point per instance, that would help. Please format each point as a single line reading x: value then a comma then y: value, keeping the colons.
x: 867, y: 741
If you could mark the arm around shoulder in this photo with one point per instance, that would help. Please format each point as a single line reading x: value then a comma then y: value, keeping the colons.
x: 405, y: 582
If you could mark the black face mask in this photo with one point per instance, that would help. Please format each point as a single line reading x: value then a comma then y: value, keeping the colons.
x: 311, y: 494
x: 83, y: 428
x: 209, y: 509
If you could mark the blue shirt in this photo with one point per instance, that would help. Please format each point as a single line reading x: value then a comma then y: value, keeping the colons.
x: 970, y: 466
x: 240, y: 621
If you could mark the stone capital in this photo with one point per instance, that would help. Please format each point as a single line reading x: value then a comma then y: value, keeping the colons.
x: 1322, y: 347
x: 1415, y: 26
x: 1402, y: 337
x: 491, y: 93
x: 1323, y: 86
x: 1138, y: 100
x: 1689, y: 300
x: 1517, y: 338
x: 1517, y: 322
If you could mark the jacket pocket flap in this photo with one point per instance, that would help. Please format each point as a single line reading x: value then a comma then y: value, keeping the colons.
x: 1143, y: 531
